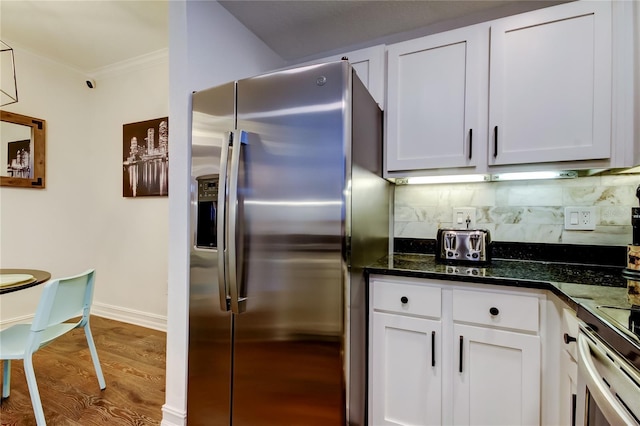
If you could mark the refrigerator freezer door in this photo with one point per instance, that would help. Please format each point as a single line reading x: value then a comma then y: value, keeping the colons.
x: 288, y: 344
x: 210, y: 322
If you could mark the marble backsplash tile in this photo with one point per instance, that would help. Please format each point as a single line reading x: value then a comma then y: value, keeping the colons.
x: 522, y: 211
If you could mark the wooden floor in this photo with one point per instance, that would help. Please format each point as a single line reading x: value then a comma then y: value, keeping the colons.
x: 133, y: 363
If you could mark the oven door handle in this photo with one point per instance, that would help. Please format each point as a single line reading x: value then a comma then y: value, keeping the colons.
x: 614, y: 412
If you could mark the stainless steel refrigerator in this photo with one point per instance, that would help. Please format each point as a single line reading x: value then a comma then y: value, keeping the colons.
x: 288, y: 205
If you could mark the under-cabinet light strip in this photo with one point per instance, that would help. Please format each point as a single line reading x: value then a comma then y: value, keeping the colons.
x: 500, y: 177
x: 446, y: 179
x: 564, y: 174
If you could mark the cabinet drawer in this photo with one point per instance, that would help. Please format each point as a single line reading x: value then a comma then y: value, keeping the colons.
x: 519, y: 312
x: 405, y: 298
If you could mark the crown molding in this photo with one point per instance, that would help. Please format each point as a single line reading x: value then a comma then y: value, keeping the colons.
x: 159, y: 57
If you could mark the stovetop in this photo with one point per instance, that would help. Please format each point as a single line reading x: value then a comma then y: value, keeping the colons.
x: 626, y: 319
x: 619, y: 327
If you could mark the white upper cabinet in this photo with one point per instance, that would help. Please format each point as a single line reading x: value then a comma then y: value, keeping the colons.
x: 547, y: 89
x: 550, y: 85
x: 369, y: 66
x: 435, y: 87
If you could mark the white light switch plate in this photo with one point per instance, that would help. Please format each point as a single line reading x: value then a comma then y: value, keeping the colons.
x: 460, y: 215
x: 580, y: 218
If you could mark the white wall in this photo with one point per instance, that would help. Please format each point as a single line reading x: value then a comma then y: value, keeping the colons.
x: 49, y: 228
x: 131, y: 235
x: 80, y: 220
x: 207, y: 47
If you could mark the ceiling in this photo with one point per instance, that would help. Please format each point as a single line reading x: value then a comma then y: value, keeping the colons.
x: 91, y: 34
x: 86, y: 35
x: 295, y: 29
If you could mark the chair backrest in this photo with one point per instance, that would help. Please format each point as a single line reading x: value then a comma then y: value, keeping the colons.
x: 63, y: 299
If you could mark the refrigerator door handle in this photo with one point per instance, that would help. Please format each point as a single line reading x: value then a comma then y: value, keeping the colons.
x: 222, y: 223
x: 237, y: 303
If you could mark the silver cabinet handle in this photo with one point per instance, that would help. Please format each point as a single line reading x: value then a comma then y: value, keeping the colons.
x: 237, y: 303
x: 614, y: 412
x: 222, y: 222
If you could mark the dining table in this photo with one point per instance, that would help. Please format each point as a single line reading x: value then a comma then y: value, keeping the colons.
x: 19, y: 279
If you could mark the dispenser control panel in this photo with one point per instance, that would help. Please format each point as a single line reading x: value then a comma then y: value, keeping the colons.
x: 208, y: 189
x: 206, y: 227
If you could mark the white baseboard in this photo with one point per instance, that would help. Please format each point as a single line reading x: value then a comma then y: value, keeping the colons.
x: 173, y: 417
x: 131, y: 316
x: 17, y: 320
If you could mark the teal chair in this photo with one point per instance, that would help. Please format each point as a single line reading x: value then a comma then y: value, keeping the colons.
x: 62, y: 299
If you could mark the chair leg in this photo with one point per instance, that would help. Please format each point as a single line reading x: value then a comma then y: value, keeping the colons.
x: 6, y: 378
x: 94, y: 356
x: 33, y: 391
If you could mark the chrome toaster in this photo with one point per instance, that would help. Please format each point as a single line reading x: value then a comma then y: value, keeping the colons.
x: 471, y: 246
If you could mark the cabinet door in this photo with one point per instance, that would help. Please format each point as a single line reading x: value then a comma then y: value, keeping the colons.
x: 407, y: 374
x: 550, y: 85
x: 434, y: 86
x: 568, y: 389
x: 497, y: 377
x: 369, y: 66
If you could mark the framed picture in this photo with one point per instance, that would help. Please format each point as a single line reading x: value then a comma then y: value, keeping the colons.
x: 19, y: 163
x: 145, y: 158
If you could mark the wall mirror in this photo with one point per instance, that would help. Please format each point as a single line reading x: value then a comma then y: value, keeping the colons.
x: 22, y: 150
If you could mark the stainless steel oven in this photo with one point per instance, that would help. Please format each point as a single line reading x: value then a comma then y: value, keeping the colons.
x: 608, y: 385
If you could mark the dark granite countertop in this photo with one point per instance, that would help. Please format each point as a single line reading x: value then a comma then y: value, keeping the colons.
x: 567, y: 281
x: 580, y: 286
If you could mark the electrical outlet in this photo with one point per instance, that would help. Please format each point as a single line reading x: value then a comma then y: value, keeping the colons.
x: 580, y: 218
x: 464, y: 217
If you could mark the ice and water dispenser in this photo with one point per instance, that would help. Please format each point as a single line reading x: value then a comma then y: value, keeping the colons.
x: 206, y: 233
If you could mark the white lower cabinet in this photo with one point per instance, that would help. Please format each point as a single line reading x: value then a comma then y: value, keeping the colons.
x: 406, y: 354
x: 569, y: 368
x: 407, y: 365
x: 444, y: 353
x: 568, y: 389
x: 498, y: 377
